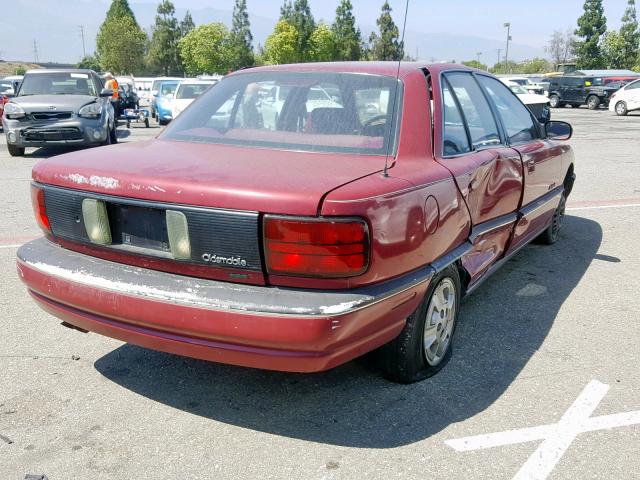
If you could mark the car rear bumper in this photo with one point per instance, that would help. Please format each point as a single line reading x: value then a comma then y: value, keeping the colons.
x: 255, y: 326
x: 63, y: 133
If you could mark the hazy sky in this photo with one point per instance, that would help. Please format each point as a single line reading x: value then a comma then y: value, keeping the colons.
x: 532, y: 20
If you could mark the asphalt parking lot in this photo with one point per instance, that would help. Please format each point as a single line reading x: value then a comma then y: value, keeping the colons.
x: 546, y: 356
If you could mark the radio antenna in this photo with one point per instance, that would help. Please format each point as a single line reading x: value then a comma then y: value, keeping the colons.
x: 395, y: 95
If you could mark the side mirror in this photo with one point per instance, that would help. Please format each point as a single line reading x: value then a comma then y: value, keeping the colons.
x: 106, y: 92
x: 558, y: 130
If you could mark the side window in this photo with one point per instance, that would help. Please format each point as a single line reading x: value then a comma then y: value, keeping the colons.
x: 455, y: 140
x: 515, y: 116
x: 477, y: 113
x: 633, y: 85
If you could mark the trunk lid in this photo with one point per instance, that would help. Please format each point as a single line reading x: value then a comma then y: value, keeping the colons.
x: 219, y: 176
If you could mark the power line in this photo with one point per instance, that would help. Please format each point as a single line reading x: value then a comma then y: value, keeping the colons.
x: 84, y: 50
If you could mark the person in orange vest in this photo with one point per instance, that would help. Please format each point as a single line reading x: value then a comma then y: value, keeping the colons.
x: 112, y: 84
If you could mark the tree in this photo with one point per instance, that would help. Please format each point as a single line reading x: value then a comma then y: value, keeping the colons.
x: 187, y: 24
x: 300, y: 17
x: 90, y: 62
x: 281, y: 45
x: 630, y: 36
x: 475, y: 64
x: 501, y: 68
x: 387, y: 45
x: 163, y: 50
x: 240, y: 37
x: 322, y: 44
x: 560, y: 46
x: 613, y: 50
x: 206, y: 49
x: 120, y: 45
x: 591, y: 27
x: 347, y: 37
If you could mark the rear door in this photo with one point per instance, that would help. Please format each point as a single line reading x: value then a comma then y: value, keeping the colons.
x: 632, y: 95
x: 487, y: 172
x: 542, y: 160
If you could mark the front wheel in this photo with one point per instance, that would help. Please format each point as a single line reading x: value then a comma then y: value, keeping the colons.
x: 425, y: 344
x: 552, y: 233
x: 554, y: 101
x: 15, y: 151
x: 593, y: 102
x: 621, y: 109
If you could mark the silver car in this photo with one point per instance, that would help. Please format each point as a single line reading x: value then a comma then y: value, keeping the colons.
x: 59, y: 108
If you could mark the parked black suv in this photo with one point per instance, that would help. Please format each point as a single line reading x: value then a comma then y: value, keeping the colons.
x: 579, y: 90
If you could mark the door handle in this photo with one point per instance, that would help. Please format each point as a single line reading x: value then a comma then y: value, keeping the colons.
x: 531, y: 166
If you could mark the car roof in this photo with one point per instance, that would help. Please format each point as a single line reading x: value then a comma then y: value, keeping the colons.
x: 197, y: 82
x: 60, y: 70
x: 391, y: 69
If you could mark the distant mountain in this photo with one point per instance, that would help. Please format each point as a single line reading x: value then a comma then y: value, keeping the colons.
x: 56, y: 31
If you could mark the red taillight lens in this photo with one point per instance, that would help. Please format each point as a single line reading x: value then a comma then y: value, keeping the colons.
x: 37, y: 200
x: 316, y: 247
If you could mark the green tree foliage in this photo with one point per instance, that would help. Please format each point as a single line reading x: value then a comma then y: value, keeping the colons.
x: 240, y: 37
x: 613, y: 50
x: 501, y: 68
x: 346, y: 35
x: 20, y: 71
x: 387, y: 45
x: 120, y: 45
x: 90, y: 62
x: 592, y: 25
x: 536, y: 65
x: 206, y: 49
x: 322, y: 46
x: 300, y: 17
x: 187, y: 24
x: 630, y: 36
x: 163, y: 53
x: 281, y: 45
x: 475, y: 64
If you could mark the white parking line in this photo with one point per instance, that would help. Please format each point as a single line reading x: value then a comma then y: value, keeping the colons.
x: 599, y: 207
x: 10, y: 246
x: 557, y: 437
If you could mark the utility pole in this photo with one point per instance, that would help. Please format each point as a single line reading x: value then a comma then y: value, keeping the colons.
x: 478, y: 56
x: 35, y: 51
x: 507, y: 25
x: 499, y: 57
x: 84, y: 50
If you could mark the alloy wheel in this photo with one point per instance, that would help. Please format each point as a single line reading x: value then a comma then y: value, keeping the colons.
x: 439, y: 324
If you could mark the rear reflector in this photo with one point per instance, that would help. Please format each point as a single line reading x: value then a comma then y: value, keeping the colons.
x: 314, y: 247
x: 39, y: 208
x: 178, y: 233
x: 96, y: 221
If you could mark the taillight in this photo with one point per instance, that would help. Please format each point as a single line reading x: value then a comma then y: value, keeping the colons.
x: 39, y: 208
x: 315, y: 247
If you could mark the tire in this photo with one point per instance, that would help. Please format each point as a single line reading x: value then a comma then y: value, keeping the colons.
x: 146, y: 122
x: 621, y: 109
x: 15, y: 151
x: 113, y: 134
x: 554, y: 101
x: 552, y: 233
x: 162, y: 122
x: 407, y: 359
x: 593, y: 102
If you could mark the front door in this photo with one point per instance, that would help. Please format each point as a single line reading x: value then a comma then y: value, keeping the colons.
x: 487, y: 172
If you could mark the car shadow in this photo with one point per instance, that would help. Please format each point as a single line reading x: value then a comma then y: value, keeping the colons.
x: 501, y: 326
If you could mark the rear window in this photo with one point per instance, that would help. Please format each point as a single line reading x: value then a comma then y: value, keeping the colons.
x: 330, y: 112
x: 191, y: 91
x: 64, y: 83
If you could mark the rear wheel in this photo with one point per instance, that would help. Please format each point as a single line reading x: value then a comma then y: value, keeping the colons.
x: 15, y: 151
x: 621, y: 109
x: 593, y: 102
x: 554, y: 101
x: 425, y: 344
x: 552, y: 233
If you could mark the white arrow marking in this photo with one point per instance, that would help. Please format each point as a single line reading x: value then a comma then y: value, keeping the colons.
x: 557, y: 437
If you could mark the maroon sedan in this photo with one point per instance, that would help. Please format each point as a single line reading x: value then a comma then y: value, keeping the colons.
x: 296, y: 217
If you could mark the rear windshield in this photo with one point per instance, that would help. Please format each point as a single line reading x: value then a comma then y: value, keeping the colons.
x: 57, y: 84
x: 331, y: 112
x: 191, y: 90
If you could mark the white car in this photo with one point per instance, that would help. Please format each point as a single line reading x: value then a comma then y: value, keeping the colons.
x: 187, y: 92
x: 626, y: 99
x: 538, y: 104
x: 525, y: 83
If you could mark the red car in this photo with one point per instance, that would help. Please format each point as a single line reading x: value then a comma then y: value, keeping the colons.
x: 296, y: 217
